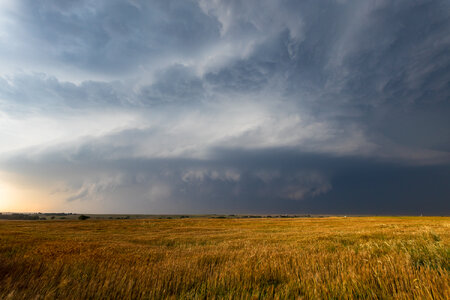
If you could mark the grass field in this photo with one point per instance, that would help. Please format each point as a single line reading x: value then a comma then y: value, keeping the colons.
x: 310, y: 258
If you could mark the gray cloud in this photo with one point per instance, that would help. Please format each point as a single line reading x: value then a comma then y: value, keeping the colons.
x: 115, y: 36
x: 42, y: 91
x: 176, y: 84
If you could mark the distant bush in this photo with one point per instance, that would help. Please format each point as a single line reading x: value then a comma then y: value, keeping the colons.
x: 56, y: 214
x: 83, y: 217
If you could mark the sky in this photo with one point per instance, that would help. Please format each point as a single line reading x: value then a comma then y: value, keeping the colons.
x: 255, y: 106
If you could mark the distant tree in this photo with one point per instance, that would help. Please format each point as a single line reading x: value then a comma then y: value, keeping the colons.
x: 83, y: 217
x: 19, y: 216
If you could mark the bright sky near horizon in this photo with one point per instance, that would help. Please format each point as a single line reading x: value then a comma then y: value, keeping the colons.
x: 130, y: 106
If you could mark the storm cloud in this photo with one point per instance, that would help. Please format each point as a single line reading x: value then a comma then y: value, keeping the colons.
x: 227, y: 106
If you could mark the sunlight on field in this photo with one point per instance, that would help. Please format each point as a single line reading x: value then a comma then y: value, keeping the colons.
x: 312, y: 258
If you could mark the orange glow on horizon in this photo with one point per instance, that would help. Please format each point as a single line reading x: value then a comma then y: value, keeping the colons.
x: 6, y: 196
x: 21, y: 199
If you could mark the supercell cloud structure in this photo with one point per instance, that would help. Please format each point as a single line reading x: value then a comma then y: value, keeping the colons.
x: 227, y: 106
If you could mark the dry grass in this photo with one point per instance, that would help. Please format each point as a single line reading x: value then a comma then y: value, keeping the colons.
x: 375, y: 258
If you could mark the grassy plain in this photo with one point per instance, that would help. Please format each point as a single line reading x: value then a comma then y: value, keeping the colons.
x: 309, y: 258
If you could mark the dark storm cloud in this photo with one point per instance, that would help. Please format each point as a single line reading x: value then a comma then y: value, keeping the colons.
x: 240, y: 181
x: 235, y: 106
x: 382, y: 64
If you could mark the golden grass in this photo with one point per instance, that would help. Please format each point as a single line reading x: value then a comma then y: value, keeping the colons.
x: 370, y: 257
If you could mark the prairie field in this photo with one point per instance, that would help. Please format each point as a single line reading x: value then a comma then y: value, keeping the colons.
x: 274, y: 258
